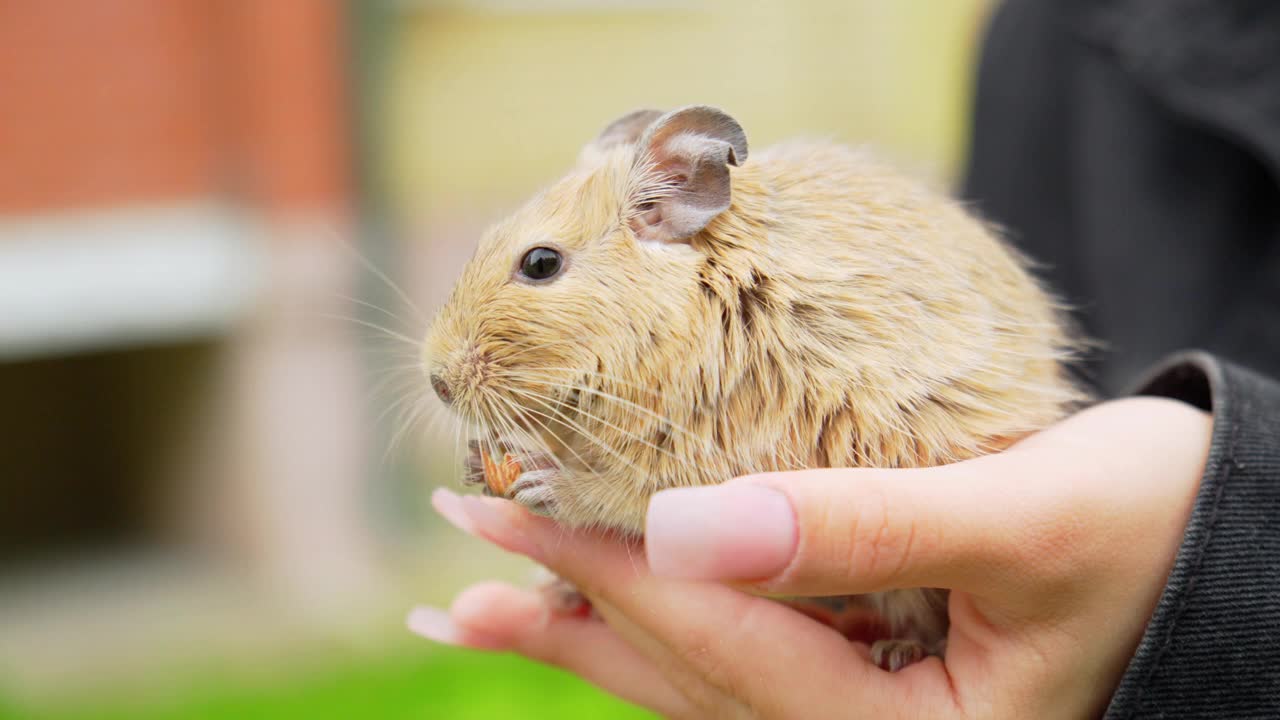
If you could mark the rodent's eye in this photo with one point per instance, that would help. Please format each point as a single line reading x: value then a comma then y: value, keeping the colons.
x: 541, y: 263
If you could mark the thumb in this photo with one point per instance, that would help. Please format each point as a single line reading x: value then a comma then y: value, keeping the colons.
x: 850, y: 531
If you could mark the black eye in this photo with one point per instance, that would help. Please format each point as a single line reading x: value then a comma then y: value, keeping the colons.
x: 541, y: 263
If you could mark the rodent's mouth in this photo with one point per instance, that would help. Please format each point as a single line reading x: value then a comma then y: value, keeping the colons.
x: 572, y: 398
x: 569, y: 408
x: 561, y: 404
x: 553, y: 413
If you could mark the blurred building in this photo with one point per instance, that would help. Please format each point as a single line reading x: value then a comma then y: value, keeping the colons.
x: 204, y: 206
x: 182, y: 406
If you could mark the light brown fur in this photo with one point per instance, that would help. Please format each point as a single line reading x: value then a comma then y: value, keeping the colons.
x: 836, y: 315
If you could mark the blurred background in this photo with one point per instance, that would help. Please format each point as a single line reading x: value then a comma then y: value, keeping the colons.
x: 223, y: 226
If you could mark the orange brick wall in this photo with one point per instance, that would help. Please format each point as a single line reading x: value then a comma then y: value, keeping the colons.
x: 110, y: 102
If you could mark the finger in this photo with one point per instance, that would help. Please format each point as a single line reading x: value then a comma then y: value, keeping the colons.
x: 496, y: 616
x: 855, y: 531
x: 1015, y: 524
x: 832, y: 532
x: 705, y: 697
x: 747, y: 647
x: 760, y: 657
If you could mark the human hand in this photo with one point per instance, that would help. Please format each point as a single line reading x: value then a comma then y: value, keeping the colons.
x: 1056, y: 552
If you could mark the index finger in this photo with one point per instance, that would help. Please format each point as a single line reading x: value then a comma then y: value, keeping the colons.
x: 841, y: 532
x: 1019, y: 526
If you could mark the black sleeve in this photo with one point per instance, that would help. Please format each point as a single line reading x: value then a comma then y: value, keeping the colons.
x: 1131, y: 148
x: 1250, y: 332
x: 1212, y: 648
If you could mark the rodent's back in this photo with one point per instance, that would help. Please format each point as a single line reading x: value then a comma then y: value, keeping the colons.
x: 920, y: 337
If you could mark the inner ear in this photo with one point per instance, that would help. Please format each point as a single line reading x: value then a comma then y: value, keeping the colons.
x: 684, y: 182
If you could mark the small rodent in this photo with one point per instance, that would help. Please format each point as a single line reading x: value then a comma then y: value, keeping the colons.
x: 669, y: 314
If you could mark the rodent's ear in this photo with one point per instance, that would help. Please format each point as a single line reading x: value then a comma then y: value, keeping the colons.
x: 684, y: 159
x: 625, y: 130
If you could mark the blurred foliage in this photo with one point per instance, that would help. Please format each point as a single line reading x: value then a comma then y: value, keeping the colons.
x: 441, y: 683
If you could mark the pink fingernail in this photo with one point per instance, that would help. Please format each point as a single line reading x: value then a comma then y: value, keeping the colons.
x: 487, y: 518
x: 449, y: 505
x: 724, y: 532
x: 434, y: 624
x: 492, y: 519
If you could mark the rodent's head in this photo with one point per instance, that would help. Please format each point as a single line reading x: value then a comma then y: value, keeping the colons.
x: 577, y: 283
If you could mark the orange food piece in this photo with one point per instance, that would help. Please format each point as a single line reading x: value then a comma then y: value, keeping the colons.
x: 499, y: 478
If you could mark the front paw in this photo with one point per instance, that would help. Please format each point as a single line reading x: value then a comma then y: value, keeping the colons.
x: 533, y: 489
x: 562, y: 597
x: 496, y: 467
x: 473, y: 467
x: 893, y: 655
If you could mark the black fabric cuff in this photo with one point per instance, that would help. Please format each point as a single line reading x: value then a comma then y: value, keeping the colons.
x: 1212, y: 647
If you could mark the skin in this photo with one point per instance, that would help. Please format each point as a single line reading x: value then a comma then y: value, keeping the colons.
x: 1056, y: 551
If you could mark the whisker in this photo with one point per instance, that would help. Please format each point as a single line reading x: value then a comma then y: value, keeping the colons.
x: 704, y: 443
x: 564, y: 419
x: 596, y: 439
x: 378, y: 274
x: 405, y: 424
x: 524, y: 350
x: 370, y: 305
x: 557, y: 437
x: 374, y: 326
x: 572, y: 371
x: 540, y: 443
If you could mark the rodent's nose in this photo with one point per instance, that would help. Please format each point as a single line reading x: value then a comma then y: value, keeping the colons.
x: 442, y: 389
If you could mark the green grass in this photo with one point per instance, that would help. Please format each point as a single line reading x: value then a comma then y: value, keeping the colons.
x: 443, y: 683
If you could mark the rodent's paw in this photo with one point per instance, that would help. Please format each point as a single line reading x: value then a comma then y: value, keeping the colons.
x: 532, y: 489
x: 497, y: 477
x: 473, y: 468
x: 893, y: 655
x: 563, y: 598
x: 476, y: 470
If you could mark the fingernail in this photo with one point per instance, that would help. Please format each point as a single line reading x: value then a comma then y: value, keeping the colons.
x: 487, y: 518
x: 449, y: 505
x: 724, y: 532
x: 496, y: 520
x: 434, y: 624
